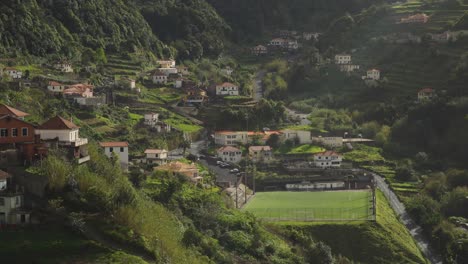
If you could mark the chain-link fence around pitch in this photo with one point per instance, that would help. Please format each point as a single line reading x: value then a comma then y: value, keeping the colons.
x: 361, y: 209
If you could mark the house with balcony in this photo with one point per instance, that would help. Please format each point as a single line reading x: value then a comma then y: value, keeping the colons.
x: 372, y: 74
x: 227, y: 88
x: 63, y: 66
x: 328, y: 159
x: 151, y: 119
x: 156, y: 156
x: 58, y: 132
x: 331, y: 142
x: 168, y: 71
x: 194, y: 95
x: 262, y: 154
x: 303, y: 136
x: 12, y: 211
x: 13, y: 72
x: 425, y: 94
x: 116, y: 148
x: 229, y: 154
x: 259, y: 50
x: 166, y: 63
x: 231, y: 138
x: 342, y: 59
x: 56, y: 87
x: 159, y: 77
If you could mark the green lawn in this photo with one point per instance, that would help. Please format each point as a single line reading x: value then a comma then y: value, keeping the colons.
x: 302, y: 149
x: 311, y: 206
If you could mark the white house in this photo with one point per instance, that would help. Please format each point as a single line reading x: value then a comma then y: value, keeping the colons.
x: 167, y: 63
x: 159, y: 78
x: 128, y: 83
x: 372, y: 74
x: 119, y: 148
x: 227, y: 89
x: 66, y: 134
x: 425, y: 94
x: 151, y: 119
x: 304, y: 136
x: 278, y: 42
x: 332, y: 142
x: 178, y: 83
x: 259, y: 50
x: 348, y: 67
x: 168, y: 71
x: 13, y: 72
x: 342, y: 59
x: 230, y: 154
x: 156, y: 156
x: 11, y: 203
x: 328, y: 159
x: 184, y: 70
x: 56, y: 87
x: 231, y: 138
x: 63, y: 66
x: 260, y: 153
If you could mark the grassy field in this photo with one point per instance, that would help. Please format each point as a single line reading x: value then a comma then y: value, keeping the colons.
x: 311, y: 206
x: 302, y: 149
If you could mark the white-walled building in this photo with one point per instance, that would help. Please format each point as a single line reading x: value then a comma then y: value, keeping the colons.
x: 425, y: 94
x: 63, y: 66
x: 167, y: 63
x: 230, y: 154
x: 13, y: 72
x: 168, y: 71
x: 11, y: 203
x: 261, y: 153
x: 332, y: 142
x: 373, y: 74
x: 259, y: 50
x: 159, y: 78
x: 304, y: 136
x: 55, y: 87
x: 231, y: 138
x: 120, y: 149
x: 151, y: 119
x: 342, y: 59
x: 156, y: 156
x: 348, y: 67
x: 328, y: 159
x: 227, y: 89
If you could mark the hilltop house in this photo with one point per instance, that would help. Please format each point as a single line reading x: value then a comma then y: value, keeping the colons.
x: 348, y: 67
x: 166, y: 63
x: 13, y: 72
x: 168, y: 71
x: 372, y: 74
x: 442, y: 37
x: 259, y: 50
x: 55, y: 87
x: 278, y: 42
x: 342, y: 59
x: 151, y: 119
x: 184, y: 70
x: 303, y: 136
x: 156, y: 156
x: 179, y: 82
x: 425, y: 94
x: 64, y: 134
x: 63, y: 66
x: 194, y: 95
x: 417, y: 18
x: 227, y: 89
x: 231, y: 138
x: 11, y: 203
x: 261, y: 153
x: 159, y: 77
x: 163, y: 127
x: 229, y: 154
x: 328, y: 159
x: 120, y: 149
x: 8, y: 110
x: 79, y: 90
x: 177, y: 167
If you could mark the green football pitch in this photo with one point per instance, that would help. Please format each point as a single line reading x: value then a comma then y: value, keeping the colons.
x: 312, y: 206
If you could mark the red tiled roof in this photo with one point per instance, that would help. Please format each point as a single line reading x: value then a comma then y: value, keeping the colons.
x: 54, y: 83
x: 4, y: 175
x: 8, y: 110
x: 225, y: 132
x: 228, y: 149
x: 374, y: 70
x: 78, y: 88
x: 259, y: 148
x: 113, y: 144
x: 155, y: 151
x: 10, y: 69
x: 58, y: 123
x: 328, y: 153
x: 227, y: 84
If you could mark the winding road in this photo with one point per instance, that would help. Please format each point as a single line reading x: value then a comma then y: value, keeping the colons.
x: 414, y: 229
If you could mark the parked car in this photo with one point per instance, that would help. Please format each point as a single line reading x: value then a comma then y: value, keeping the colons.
x: 235, y: 170
x: 218, y: 162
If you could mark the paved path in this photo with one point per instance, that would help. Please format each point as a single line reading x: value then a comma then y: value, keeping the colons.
x: 257, y: 87
x: 412, y: 227
x: 298, y: 116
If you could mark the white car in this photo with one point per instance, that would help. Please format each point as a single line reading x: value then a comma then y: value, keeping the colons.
x: 234, y: 170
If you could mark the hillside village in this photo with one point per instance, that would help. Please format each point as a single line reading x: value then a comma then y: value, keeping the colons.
x: 279, y: 113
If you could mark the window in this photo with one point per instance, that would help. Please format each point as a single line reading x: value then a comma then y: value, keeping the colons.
x: 111, y: 150
x: 14, y: 132
x: 121, y: 149
x: 17, y: 200
x: 3, y: 132
x: 24, y: 131
x: 2, y: 201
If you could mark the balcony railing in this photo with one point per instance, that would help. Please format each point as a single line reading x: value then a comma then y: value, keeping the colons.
x: 78, y: 142
x: 84, y: 159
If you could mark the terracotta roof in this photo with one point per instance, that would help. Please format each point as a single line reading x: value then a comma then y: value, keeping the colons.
x: 426, y: 90
x: 10, y: 69
x: 227, y: 84
x: 374, y: 70
x: 155, y: 151
x: 8, y: 110
x: 228, y: 149
x: 158, y: 73
x: 177, y: 166
x: 328, y: 153
x: 259, y: 148
x: 58, y: 123
x: 78, y: 88
x: 54, y: 83
x: 4, y: 175
x: 113, y: 144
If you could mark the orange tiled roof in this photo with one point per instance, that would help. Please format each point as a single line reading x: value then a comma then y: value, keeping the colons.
x: 8, y: 110
x: 58, y: 123
x: 113, y: 144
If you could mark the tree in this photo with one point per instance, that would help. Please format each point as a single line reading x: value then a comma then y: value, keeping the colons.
x: 404, y: 171
x: 185, y: 145
x: 455, y: 203
x: 273, y: 141
x: 100, y: 56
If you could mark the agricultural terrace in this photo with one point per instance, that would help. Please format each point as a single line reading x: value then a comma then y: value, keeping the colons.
x: 312, y: 206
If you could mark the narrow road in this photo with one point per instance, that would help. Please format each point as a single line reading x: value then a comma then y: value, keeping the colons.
x: 414, y: 229
x: 257, y: 87
x: 303, y: 118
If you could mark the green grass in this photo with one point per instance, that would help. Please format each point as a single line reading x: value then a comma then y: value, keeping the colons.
x: 302, y: 149
x: 313, y: 206
x: 384, y: 241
